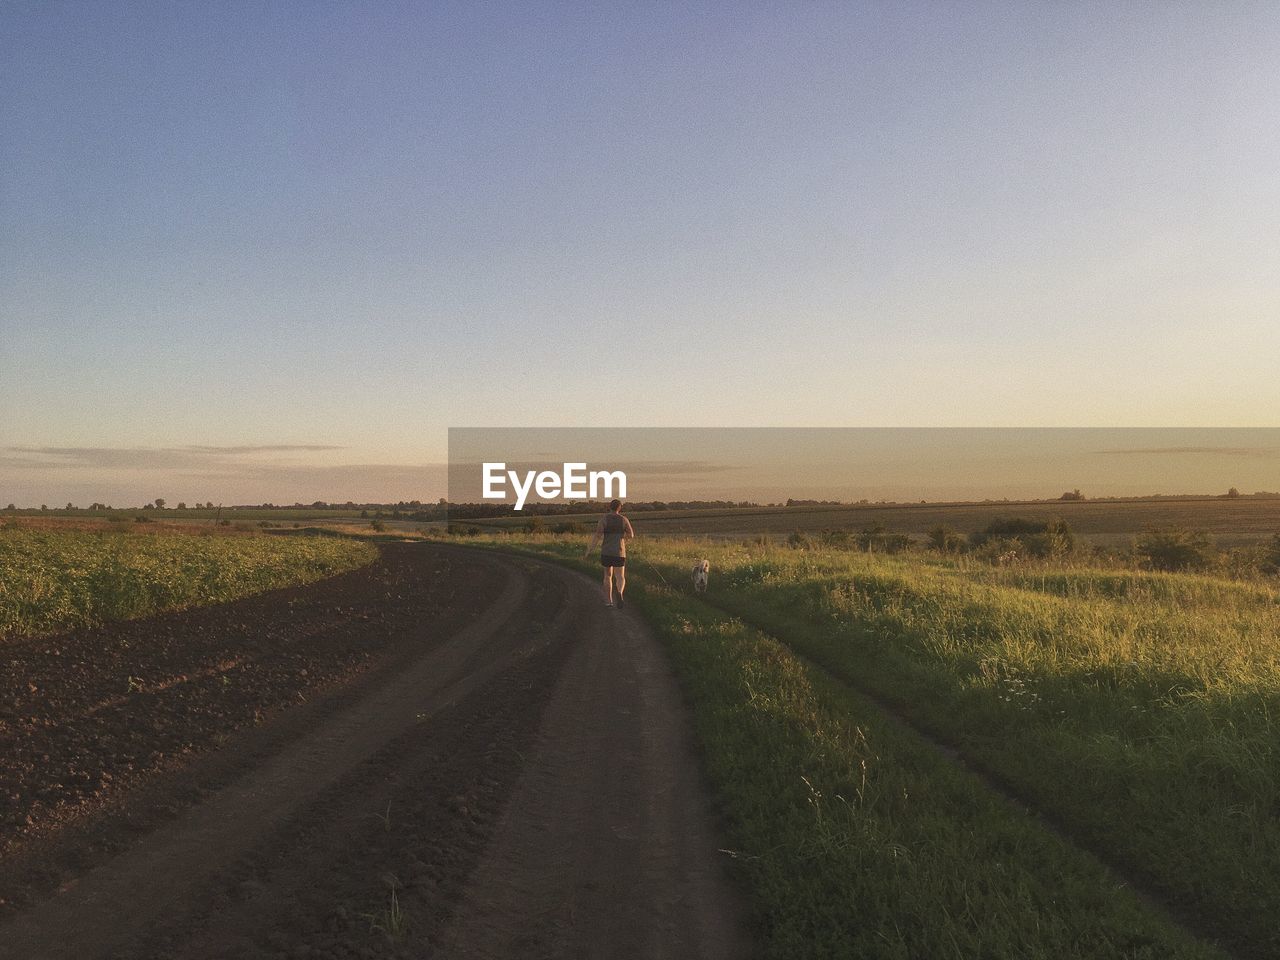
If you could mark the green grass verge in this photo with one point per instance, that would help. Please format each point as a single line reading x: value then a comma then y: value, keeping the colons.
x: 854, y: 836
x: 1140, y: 710
x: 52, y: 581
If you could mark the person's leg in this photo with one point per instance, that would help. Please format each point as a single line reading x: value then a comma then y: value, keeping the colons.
x: 620, y: 580
x: 608, y: 584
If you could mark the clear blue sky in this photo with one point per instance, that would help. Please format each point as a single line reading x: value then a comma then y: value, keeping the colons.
x: 354, y: 225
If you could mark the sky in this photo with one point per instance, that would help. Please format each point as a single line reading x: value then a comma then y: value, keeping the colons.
x: 902, y: 464
x: 273, y: 251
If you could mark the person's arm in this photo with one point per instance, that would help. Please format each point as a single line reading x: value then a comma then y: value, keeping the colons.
x: 595, y: 538
x: 631, y: 533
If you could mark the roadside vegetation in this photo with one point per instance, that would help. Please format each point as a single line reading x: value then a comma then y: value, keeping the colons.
x: 1136, y: 710
x: 58, y: 579
x: 859, y: 840
x: 1113, y: 524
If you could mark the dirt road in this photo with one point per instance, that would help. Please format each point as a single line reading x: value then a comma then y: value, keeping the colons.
x: 449, y: 754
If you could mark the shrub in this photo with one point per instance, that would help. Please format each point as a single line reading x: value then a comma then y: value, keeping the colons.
x: 946, y: 540
x: 1174, y: 548
x: 870, y: 536
x: 1271, y: 555
x: 1243, y: 563
x: 1035, y: 538
x: 799, y: 541
x: 1002, y: 550
x: 377, y: 526
x: 836, y: 539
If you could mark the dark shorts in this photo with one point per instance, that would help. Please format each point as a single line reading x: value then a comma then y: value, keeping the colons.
x: 613, y: 561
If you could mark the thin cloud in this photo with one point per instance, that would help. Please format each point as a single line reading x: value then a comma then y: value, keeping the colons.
x: 340, y: 472
x: 674, y: 468
x: 270, y: 448
x: 649, y: 468
x: 1202, y: 451
x: 143, y: 458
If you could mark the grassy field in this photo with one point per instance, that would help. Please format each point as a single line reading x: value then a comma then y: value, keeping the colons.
x: 57, y: 579
x: 1139, y: 712
x: 1232, y: 522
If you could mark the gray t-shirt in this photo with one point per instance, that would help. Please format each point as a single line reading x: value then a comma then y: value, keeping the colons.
x: 614, y: 527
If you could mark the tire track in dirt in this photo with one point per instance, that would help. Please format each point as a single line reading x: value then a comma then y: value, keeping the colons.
x: 525, y: 788
x: 607, y: 848
x: 90, y: 716
x: 155, y: 877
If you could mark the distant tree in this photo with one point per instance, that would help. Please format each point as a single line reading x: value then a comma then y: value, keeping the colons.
x: 44, y: 508
x: 534, y: 525
x: 1233, y: 494
x: 11, y: 507
x: 181, y: 505
x: 160, y: 501
x: 378, y: 526
x: 364, y: 514
x: 71, y: 506
x: 1072, y: 495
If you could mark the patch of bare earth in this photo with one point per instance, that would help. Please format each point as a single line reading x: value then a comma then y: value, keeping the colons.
x: 489, y: 763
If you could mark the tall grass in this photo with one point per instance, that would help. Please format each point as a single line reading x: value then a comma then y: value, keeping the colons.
x: 1141, y: 710
x: 57, y: 580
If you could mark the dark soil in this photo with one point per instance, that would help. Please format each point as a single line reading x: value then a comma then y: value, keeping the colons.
x: 448, y: 753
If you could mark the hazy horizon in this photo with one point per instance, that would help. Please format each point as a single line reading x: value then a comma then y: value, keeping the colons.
x: 758, y: 464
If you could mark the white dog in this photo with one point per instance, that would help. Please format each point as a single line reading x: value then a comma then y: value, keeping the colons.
x: 701, y: 568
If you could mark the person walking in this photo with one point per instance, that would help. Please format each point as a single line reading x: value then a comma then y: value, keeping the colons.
x: 612, y: 533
